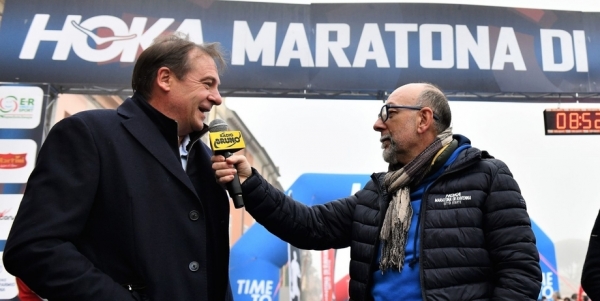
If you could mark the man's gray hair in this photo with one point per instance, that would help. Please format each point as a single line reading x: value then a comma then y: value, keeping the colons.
x: 434, y: 98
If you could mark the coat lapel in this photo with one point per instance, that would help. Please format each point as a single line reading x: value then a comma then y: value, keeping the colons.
x: 146, y: 132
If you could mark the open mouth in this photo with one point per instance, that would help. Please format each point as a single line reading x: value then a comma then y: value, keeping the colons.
x: 204, y: 111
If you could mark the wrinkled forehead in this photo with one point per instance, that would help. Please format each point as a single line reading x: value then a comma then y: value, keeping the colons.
x: 406, y: 97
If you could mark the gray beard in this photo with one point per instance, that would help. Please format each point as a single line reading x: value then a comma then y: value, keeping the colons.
x: 389, y: 154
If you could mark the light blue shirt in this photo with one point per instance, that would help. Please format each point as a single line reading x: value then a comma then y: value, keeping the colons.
x: 183, y: 152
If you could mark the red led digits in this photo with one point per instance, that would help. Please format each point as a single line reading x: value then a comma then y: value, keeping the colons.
x: 572, y: 121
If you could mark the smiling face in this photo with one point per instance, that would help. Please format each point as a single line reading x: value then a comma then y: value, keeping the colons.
x: 187, y: 100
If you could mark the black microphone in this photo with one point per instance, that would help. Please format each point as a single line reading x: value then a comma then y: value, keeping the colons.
x: 224, y: 142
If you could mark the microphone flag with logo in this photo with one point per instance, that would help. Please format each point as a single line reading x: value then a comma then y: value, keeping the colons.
x: 225, y: 142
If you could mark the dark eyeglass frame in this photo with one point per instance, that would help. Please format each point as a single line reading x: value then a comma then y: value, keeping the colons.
x: 387, y: 107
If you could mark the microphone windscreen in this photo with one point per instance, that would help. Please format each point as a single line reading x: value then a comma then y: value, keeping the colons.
x: 218, y: 125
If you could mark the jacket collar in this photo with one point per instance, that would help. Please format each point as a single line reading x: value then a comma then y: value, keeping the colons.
x: 156, y: 133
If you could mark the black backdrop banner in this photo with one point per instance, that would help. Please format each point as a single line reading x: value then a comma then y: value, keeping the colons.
x: 333, y: 48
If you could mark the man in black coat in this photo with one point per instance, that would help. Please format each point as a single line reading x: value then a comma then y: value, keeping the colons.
x: 590, y: 277
x: 446, y: 222
x: 123, y: 204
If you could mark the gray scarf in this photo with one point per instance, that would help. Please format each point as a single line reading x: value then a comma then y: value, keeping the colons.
x: 394, y: 232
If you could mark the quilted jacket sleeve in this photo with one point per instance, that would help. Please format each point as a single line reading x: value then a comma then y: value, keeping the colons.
x: 318, y: 227
x: 510, y: 239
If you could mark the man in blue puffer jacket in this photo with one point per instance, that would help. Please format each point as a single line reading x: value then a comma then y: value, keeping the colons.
x: 446, y: 222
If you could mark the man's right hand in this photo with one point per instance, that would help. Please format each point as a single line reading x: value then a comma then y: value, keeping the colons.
x: 226, y: 168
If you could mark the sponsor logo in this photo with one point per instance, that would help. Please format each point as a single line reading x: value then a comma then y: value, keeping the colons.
x: 258, y: 290
x: 461, y: 47
x: 229, y: 140
x: 8, y: 285
x: 20, y: 107
x: 101, y: 40
x: 453, y: 199
x: 113, y: 38
x: 16, y: 107
x: 8, y: 104
x: 5, y: 217
x: 12, y: 161
x: 14, y: 166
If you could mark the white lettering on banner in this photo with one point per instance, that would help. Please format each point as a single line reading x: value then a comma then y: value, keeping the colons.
x: 295, y: 36
x: 447, y: 46
x: 259, y: 290
x: 581, y: 59
x: 466, y: 44
x: 567, y: 44
x: 370, y: 37
x: 124, y: 41
x: 508, y: 51
x: 547, y: 284
x: 243, y: 43
x: 323, y: 46
x: 456, y: 44
x: 401, y: 36
x: 371, y: 46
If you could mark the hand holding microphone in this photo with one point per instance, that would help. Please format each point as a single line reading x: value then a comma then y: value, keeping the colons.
x: 224, y: 142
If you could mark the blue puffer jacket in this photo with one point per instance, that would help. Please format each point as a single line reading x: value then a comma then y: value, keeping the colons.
x: 476, y: 241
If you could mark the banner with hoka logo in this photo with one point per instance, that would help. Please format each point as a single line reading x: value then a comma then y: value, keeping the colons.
x: 323, y: 49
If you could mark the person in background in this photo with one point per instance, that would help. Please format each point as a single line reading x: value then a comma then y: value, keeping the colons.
x: 556, y: 297
x: 122, y: 204
x: 590, y: 277
x: 446, y: 222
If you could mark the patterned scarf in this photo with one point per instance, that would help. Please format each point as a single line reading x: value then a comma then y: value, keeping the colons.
x: 394, y: 232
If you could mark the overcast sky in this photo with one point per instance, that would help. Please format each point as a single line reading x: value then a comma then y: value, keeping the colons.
x: 558, y: 175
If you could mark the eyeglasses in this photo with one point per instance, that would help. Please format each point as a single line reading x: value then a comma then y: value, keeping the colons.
x: 384, y: 113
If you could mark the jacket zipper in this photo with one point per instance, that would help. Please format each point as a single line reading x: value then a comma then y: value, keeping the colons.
x: 423, y: 209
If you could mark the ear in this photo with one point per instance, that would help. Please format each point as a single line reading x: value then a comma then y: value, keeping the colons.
x: 163, y: 78
x: 426, y: 121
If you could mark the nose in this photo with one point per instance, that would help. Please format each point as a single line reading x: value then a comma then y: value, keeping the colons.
x: 215, y: 97
x: 379, y: 126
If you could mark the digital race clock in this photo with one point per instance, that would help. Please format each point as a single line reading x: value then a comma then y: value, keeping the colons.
x: 572, y: 121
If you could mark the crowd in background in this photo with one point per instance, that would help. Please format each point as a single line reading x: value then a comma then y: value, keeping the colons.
x: 557, y: 297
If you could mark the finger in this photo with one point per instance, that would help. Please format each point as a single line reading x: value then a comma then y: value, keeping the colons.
x: 217, y: 158
x: 233, y: 159
x: 225, y: 172
x: 225, y: 179
x: 222, y: 165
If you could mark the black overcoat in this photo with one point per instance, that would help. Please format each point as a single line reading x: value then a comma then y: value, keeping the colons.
x: 109, y: 205
x: 590, y: 276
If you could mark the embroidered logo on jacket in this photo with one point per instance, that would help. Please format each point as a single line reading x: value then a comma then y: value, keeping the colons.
x: 453, y: 199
